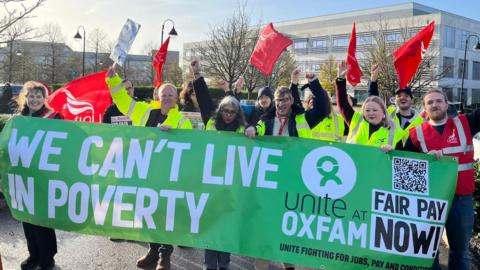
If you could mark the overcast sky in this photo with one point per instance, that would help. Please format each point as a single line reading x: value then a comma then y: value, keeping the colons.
x: 194, y: 18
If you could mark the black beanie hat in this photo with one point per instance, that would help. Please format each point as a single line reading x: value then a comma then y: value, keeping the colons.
x: 407, y: 90
x: 265, y: 91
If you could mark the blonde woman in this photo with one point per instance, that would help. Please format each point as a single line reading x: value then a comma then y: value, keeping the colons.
x: 373, y: 125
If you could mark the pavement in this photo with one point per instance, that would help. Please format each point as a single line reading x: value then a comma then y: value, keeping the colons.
x: 79, y: 251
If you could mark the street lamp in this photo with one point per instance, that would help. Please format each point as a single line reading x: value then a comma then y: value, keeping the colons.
x: 172, y: 32
x: 476, y: 48
x: 79, y: 37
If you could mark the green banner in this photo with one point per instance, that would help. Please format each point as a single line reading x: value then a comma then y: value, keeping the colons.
x: 312, y: 203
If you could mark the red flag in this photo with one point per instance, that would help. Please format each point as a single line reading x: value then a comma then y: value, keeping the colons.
x: 158, y: 61
x: 84, y: 99
x: 270, y: 46
x: 410, y: 54
x: 354, y: 73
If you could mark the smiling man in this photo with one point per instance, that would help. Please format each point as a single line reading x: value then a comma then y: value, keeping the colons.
x: 451, y: 136
x: 403, y: 113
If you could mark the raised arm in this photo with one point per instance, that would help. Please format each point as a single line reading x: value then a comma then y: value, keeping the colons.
x: 294, y: 87
x: 200, y: 87
x: 373, y: 85
x: 321, y: 101
x: 341, y: 93
x: 136, y: 110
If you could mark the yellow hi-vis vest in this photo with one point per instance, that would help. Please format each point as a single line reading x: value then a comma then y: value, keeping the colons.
x: 359, y: 130
x: 135, y: 110
x: 175, y: 119
x: 417, y: 120
x: 302, y: 127
x: 211, y: 126
x: 330, y: 129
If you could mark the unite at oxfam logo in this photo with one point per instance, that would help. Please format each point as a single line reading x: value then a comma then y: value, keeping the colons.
x: 329, y: 170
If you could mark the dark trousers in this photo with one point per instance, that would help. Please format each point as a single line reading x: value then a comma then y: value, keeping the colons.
x: 163, y: 249
x: 216, y: 259
x: 41, y: 243
x: 459, y: 229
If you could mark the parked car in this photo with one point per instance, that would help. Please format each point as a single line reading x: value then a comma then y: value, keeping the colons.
x: 7, y: 94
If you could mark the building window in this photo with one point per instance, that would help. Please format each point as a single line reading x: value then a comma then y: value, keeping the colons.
x: 476, y: 71
x: 393, y: 37
x: 340, y: 42
x: 316, y: 67
x: 460, y: 69
x: 298, y: 45
x: 449, y: 37
x: 463, y: 38
x: 321, y: 43
x: 475, y: 96
x: 448, y: 65
x: 449, y: 93
x: 364, y: 40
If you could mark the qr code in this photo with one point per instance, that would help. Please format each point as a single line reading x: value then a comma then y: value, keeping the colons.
x: 410, y: 175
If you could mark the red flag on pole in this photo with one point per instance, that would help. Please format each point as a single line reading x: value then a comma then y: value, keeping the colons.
x: 158, y: 61
x: 354, y: 73
x: 84, y: 99
x: 410, y: 54
x: 270, y: 46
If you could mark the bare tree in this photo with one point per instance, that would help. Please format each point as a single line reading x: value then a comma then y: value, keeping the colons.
x: 381, y: 52
x: 150, y: 49
x: 328, y: 74
x: 98, y: 42
x: 174, y: 74
x: 225, y: 55
x: 12, y: 36
x: 14, y: 11
x: 55, y: 55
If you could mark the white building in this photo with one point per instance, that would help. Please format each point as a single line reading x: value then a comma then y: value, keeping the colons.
x: 316, y: 38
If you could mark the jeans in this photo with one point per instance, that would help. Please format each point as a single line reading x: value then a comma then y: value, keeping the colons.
x: 459, y: 229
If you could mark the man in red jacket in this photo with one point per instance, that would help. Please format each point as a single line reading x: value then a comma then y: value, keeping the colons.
x: 443, y: 135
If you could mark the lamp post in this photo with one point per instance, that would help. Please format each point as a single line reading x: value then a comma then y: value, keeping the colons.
x: 79, y: 37
x: 476, y: 48
x: 172, y: 34
x: 19, y: 53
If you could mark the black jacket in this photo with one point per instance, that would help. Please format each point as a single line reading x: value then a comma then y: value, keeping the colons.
x: 314, y: 116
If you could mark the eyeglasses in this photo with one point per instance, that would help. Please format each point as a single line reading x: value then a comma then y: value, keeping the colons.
x: 230, y: 112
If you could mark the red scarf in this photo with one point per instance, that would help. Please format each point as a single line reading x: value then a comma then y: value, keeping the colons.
x: 283, y: 122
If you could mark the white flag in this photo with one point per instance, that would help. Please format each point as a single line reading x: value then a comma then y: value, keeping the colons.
x: 124, y: 43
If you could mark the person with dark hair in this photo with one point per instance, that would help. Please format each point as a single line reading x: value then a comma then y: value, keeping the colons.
x: 41, y: 241
x: 188, y: 98
x: 263, y: 104
x: 6, y: 98
x: 113, y: 115
x: 442, y: 135
x: 403, y: 113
